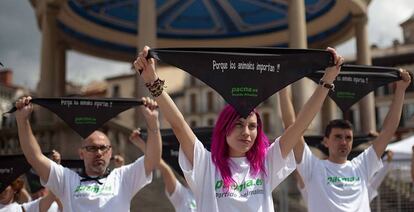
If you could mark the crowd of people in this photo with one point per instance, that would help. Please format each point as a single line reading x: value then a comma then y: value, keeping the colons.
x: 238, y: 174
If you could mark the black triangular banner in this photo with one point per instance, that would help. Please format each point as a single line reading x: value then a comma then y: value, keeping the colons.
x: 356, y: 81
x: 11, y: 167
x: 85, y: 115
x: 245, y: 77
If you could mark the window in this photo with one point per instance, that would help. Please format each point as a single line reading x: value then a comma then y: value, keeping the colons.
x: 115, y: 91
x: 193, y: 103
x: 210, y: 122
x: 210, y: 104
x: 193, y: 124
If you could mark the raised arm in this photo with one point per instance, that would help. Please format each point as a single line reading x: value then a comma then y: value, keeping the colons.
x: 167, y: 174
x: 28, y: 142
x: 293, y: 133
x: 392, y: 119
x: 168, y: 108
x: 154, y: 147
x: 288, y: 118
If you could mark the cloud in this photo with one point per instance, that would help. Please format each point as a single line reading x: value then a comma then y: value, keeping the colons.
x: 84, y: 68
x: 385, y: 18
x: 19, y: 41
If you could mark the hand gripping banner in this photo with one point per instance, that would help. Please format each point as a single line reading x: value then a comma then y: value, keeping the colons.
x: 11, y: 167
x: 245, y: 77
x: 85, y: 115
x: 356, y: 81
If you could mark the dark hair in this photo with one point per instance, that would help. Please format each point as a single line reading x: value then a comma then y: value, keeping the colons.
x: 337, y: 123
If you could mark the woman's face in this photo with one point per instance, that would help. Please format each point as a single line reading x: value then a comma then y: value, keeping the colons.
x: 6, y: 197
x: 243, y: 136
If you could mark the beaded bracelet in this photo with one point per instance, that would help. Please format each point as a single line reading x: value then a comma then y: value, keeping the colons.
x: 156, y: 87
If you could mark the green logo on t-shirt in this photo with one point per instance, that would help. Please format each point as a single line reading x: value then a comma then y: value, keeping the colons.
x: 242, y: 186
x: 341, y: 181
x: 96, y: 189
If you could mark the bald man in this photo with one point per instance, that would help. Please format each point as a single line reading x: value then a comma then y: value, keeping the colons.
x: 96, y: 188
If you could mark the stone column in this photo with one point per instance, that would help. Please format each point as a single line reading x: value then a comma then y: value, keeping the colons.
x: 303, y: 89
x: 45, y: 87
x: 60, y: 72
x: 367, y: 104
x: 147, y: 36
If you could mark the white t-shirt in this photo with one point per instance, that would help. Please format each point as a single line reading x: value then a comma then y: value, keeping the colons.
x: 114, y: 194
x: 182, y: 198
x: 34, y: 207
x: 252, y: 193
x: 15, y: 207
x: 377, y: 179
x: 338, y: 187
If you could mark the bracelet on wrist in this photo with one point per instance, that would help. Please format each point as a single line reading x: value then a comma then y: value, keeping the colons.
x: 156, y: 87
x: 329, y: 86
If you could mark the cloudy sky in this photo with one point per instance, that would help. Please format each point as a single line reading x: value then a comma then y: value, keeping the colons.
x: 20, y: 41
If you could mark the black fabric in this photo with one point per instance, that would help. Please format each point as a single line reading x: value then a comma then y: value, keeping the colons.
x: 356, y: 81
x: 85, y: 177
x: 85, y: 115
x: 75, y: 165
x: 11, y: 167
x: 33, y: 181
x: 245, y: 77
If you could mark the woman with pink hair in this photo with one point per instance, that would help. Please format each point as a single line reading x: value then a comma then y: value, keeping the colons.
x: 243, y: 168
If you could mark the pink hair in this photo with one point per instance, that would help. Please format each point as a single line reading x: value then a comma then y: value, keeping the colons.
x: 220, y: 149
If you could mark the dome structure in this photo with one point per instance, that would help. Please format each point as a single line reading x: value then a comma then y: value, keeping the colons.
x: 109, y: 29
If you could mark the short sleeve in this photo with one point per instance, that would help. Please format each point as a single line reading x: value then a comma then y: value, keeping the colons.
x: 368, y: 162
x: 279, y: 167
x: 195, y: 174
x: 56, y: 182
x: 175, y: 198
x: 32, y: 206
x: 133, y: 176
x: 306, y: 164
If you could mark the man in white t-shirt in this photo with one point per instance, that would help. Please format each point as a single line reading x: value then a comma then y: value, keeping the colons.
x: 97, y: 189
x: 374, y: 184
x: 337, y: 184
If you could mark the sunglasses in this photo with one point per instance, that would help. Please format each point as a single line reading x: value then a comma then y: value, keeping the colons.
x: 94, y: 149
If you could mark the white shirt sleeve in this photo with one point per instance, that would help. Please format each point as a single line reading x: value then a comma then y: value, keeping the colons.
x: 57, y: 179
x: 177, y: 198
x: 377, y: 179
x: 197, y: 173
x: 368, y: 162
x: 279, y: 167
x: 307, y: 164
x: 32, y: 206
x: 133, y: 176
